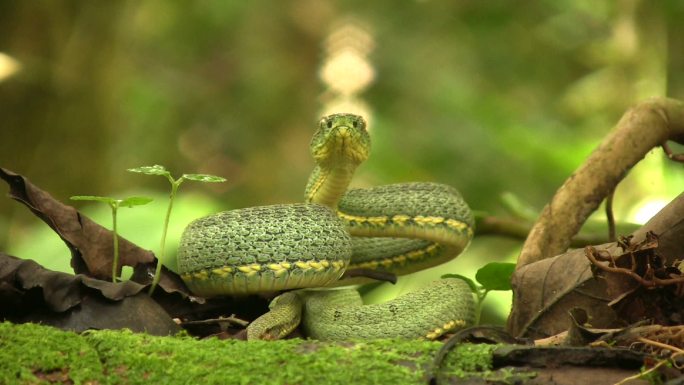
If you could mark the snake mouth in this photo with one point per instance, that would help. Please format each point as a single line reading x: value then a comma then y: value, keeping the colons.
x: 342, y: 144
x: 341, y: 141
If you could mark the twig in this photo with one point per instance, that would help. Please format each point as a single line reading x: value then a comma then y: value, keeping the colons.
x: 493, y: 334
x: 660, y: 345
x: 232, y: 320
x: 609, y: 216
x: 518, y: 229
x: 652, y: 282
x: 649, y: 371
x: 671, y: 155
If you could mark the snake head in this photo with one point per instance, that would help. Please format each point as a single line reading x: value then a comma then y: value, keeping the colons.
x: 341, y: 139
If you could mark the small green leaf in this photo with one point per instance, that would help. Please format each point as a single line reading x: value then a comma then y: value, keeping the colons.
x: 470, y: 282
x: 151, y: 170
x: 496, y: 275
x: 204, y: 178
x: 135, y: 201
x: 93, y: 198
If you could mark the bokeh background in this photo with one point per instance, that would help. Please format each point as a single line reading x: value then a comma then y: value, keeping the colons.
x: 488, y: 96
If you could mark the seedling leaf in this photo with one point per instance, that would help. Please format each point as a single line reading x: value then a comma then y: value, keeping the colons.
x: 204, y: 178
x: 175, y: 184
x: 135, y: 201
x: 151, y: 170
x: 495, y: 275
x: 470, y: 282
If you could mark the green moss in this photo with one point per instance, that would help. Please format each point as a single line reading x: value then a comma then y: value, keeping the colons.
x: 122, y: 357
x: 32, y: 354
x: 214, y: 361
x: 470, y: 358
x: 475, y: 360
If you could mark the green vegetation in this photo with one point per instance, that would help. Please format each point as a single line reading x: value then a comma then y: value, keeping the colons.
x: 115, y: 204
x: 494, y: 276
x: 31, y: 354
x: 460, y: 95
x: 175, y: 184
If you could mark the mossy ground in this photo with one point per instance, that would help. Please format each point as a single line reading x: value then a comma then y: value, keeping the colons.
x: 34, y: 354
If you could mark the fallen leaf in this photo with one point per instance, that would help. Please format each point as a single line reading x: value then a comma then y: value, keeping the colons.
x: 545, y: 291
x: 91, y: 245
x: 31, y: 293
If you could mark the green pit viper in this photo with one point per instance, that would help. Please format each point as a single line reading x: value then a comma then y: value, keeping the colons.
x: 398, y: 228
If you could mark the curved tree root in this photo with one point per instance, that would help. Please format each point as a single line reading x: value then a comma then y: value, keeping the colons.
x: 648, y: 124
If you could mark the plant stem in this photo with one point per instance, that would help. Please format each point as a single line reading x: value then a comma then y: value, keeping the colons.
x: 115, y: 263
x: 478, y: 307
x: 157, y: 273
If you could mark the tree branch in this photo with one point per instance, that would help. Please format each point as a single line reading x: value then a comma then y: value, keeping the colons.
x: 647, y: 125
x: 519, y: 229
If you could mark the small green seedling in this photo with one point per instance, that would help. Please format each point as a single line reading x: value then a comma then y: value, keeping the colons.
x: 492, y: 276
x: 175, y: 183
x: 115, y: 204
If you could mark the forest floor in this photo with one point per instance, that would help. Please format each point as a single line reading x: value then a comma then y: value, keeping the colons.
x: 35, y: 354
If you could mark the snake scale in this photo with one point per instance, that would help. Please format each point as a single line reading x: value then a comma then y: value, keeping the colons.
x: 397, y: 228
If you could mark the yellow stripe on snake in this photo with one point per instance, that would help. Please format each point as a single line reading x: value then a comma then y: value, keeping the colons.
x: 398, y: 228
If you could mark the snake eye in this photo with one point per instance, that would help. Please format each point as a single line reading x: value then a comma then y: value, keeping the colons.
x: 329, y: 123
x: 355, y: 124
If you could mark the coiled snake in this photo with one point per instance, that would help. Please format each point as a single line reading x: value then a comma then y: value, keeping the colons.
x: 399, y: 228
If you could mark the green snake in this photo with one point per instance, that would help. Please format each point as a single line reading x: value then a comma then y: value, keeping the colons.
x: 398, y: 228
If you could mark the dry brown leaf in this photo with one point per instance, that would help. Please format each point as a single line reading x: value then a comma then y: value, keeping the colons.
x: 548, y: 289
x: 31, y: 293
x: 91, y: 245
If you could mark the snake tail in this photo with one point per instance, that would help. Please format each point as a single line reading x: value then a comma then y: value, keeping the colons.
x: 429, y: 312
x: 335, y: 315
x: 284, y: 316
x: 263, y: 249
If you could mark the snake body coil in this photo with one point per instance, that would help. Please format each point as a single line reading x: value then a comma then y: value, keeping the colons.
x: 398, y: 228
x: 427, y: 312
x: 264, y: 249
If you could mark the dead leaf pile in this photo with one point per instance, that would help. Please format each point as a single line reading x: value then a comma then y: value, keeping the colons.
x: 89, y: 300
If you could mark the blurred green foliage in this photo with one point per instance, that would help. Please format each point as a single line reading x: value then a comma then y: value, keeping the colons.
x: 141, y: 225
x: 490, y: 97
